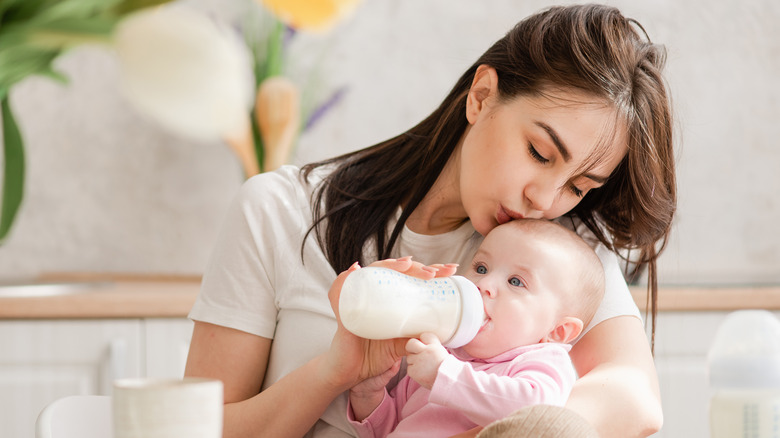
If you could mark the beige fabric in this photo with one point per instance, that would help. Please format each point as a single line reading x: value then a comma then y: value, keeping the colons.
x: 540, y: 421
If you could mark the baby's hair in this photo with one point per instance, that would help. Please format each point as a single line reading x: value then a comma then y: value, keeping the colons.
x: 584, y: 301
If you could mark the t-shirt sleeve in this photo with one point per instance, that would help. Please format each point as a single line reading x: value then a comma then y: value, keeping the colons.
x: 237, y: 290
x: 617, y: 299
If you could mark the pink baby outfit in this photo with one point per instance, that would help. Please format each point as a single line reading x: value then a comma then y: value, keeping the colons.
x: 470, y: 392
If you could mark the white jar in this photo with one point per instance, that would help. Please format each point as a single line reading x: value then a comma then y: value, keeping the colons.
x: 380, y: 303
x: 744, y: 367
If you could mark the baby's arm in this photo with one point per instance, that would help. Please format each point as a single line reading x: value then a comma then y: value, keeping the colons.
x: 537, y: 377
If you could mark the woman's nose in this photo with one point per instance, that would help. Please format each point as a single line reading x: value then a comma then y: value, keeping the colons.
x: 542, y: 194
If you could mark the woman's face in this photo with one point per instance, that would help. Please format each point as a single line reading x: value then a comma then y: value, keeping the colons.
x: 531, y: 157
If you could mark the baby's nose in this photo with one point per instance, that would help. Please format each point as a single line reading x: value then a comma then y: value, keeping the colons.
x: 485, y: 291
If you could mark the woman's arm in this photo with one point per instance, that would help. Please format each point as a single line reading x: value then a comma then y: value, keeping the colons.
x: 618, y: 389
x: 239, y: 359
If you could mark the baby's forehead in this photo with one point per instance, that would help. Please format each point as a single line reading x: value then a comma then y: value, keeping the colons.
x: 526, y: 230
x: 548, y: 241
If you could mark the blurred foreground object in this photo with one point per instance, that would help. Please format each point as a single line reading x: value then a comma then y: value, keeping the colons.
x: 744, y: 367
x: 194, y: 75
x: 33, y: 33
x: 180, y: 67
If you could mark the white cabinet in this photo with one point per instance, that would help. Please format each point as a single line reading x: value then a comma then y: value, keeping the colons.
x: 167, y: 343
x: 43, y: 360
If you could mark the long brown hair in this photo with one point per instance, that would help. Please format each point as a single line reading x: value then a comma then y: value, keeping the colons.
x: 590, y: 48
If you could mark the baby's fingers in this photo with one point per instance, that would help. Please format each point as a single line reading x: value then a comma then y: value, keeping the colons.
x: 414, y: 346
x: 430, y: 339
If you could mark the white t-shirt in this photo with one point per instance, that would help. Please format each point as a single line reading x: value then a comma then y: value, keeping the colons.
x: 257, y: 282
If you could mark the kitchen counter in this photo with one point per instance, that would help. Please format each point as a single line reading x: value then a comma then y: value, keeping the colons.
x: 148, y: 297
x: 97, y: 297
x: 710, y: 298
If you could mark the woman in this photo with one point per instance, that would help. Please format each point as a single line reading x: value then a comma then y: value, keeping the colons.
x: 566, y: 117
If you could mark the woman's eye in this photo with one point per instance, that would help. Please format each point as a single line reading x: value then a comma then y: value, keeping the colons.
x: 536, y: 155
x: 481, y: 270
x: 577, y: 192
x: 514, y: 281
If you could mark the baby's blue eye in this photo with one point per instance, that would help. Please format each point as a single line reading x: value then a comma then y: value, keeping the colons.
x: 481, y: 270
x: 514, y: 281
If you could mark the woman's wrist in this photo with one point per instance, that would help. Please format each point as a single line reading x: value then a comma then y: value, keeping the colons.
x: 332, y: 377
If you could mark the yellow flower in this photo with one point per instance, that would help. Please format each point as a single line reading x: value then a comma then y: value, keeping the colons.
x: 312, y: 15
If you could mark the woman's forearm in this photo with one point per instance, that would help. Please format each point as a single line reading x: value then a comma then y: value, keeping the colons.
x: 626, y: 407
x: 288, y: 408
x: 618, y: 389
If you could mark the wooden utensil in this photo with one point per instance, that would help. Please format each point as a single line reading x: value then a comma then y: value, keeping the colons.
x: 278, y: 115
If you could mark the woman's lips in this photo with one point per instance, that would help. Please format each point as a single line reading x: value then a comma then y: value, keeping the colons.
x: 505, y: 215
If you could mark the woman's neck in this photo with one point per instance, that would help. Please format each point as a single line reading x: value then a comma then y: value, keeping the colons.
x: 441, y: 210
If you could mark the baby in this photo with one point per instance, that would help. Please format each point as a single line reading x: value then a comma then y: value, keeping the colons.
x: 540, y: 285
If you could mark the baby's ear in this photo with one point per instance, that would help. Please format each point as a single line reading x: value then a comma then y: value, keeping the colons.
x: 567, y: 330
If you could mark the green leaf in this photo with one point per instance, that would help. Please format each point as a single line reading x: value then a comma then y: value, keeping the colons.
x: 13, y: 177
x: 17, y: 63
x: 13, y: 11
x: 71, y: 9
x: 134, y: 5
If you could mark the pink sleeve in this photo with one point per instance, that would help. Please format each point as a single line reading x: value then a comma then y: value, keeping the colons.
x: 385, y: 417
x: 544, y: 376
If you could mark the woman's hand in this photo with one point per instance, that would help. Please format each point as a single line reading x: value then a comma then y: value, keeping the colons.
x: 425, y: 356
x: 352, y: 359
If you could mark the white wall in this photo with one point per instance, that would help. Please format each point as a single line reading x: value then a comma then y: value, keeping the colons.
x: 107, y: 190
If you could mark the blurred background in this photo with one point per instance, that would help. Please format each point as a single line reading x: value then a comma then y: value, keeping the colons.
x: 109, y: 190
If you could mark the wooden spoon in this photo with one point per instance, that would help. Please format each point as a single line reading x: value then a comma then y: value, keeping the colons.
x: 278, y: 115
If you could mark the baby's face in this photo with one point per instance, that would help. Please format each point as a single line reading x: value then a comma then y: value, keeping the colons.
x: 520, y: 279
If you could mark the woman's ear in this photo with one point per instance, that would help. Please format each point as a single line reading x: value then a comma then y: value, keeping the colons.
x: 567, y: 330
x: 485, y: 84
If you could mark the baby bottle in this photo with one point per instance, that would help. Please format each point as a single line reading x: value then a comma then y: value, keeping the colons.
x: 380, y: 303
x: 744, y: 367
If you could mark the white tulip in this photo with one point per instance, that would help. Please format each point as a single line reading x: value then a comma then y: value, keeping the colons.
x: 186, y: 71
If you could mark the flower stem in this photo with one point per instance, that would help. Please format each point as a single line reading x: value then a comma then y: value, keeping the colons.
x: 273, y: 66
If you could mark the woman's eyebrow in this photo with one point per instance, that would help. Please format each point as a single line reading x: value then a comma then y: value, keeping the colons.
x: 596, y: 178
x: 555, y: 139
x: 564, y: 151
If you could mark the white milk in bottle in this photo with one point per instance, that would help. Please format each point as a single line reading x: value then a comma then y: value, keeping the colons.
x: 380, y: 303
x: 744, y: 367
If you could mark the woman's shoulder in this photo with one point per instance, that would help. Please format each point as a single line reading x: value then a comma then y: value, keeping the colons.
x: 285, y: 184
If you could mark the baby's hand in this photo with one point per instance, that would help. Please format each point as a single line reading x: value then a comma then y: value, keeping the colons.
x: 424, y: 357
x: 368, y: 394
